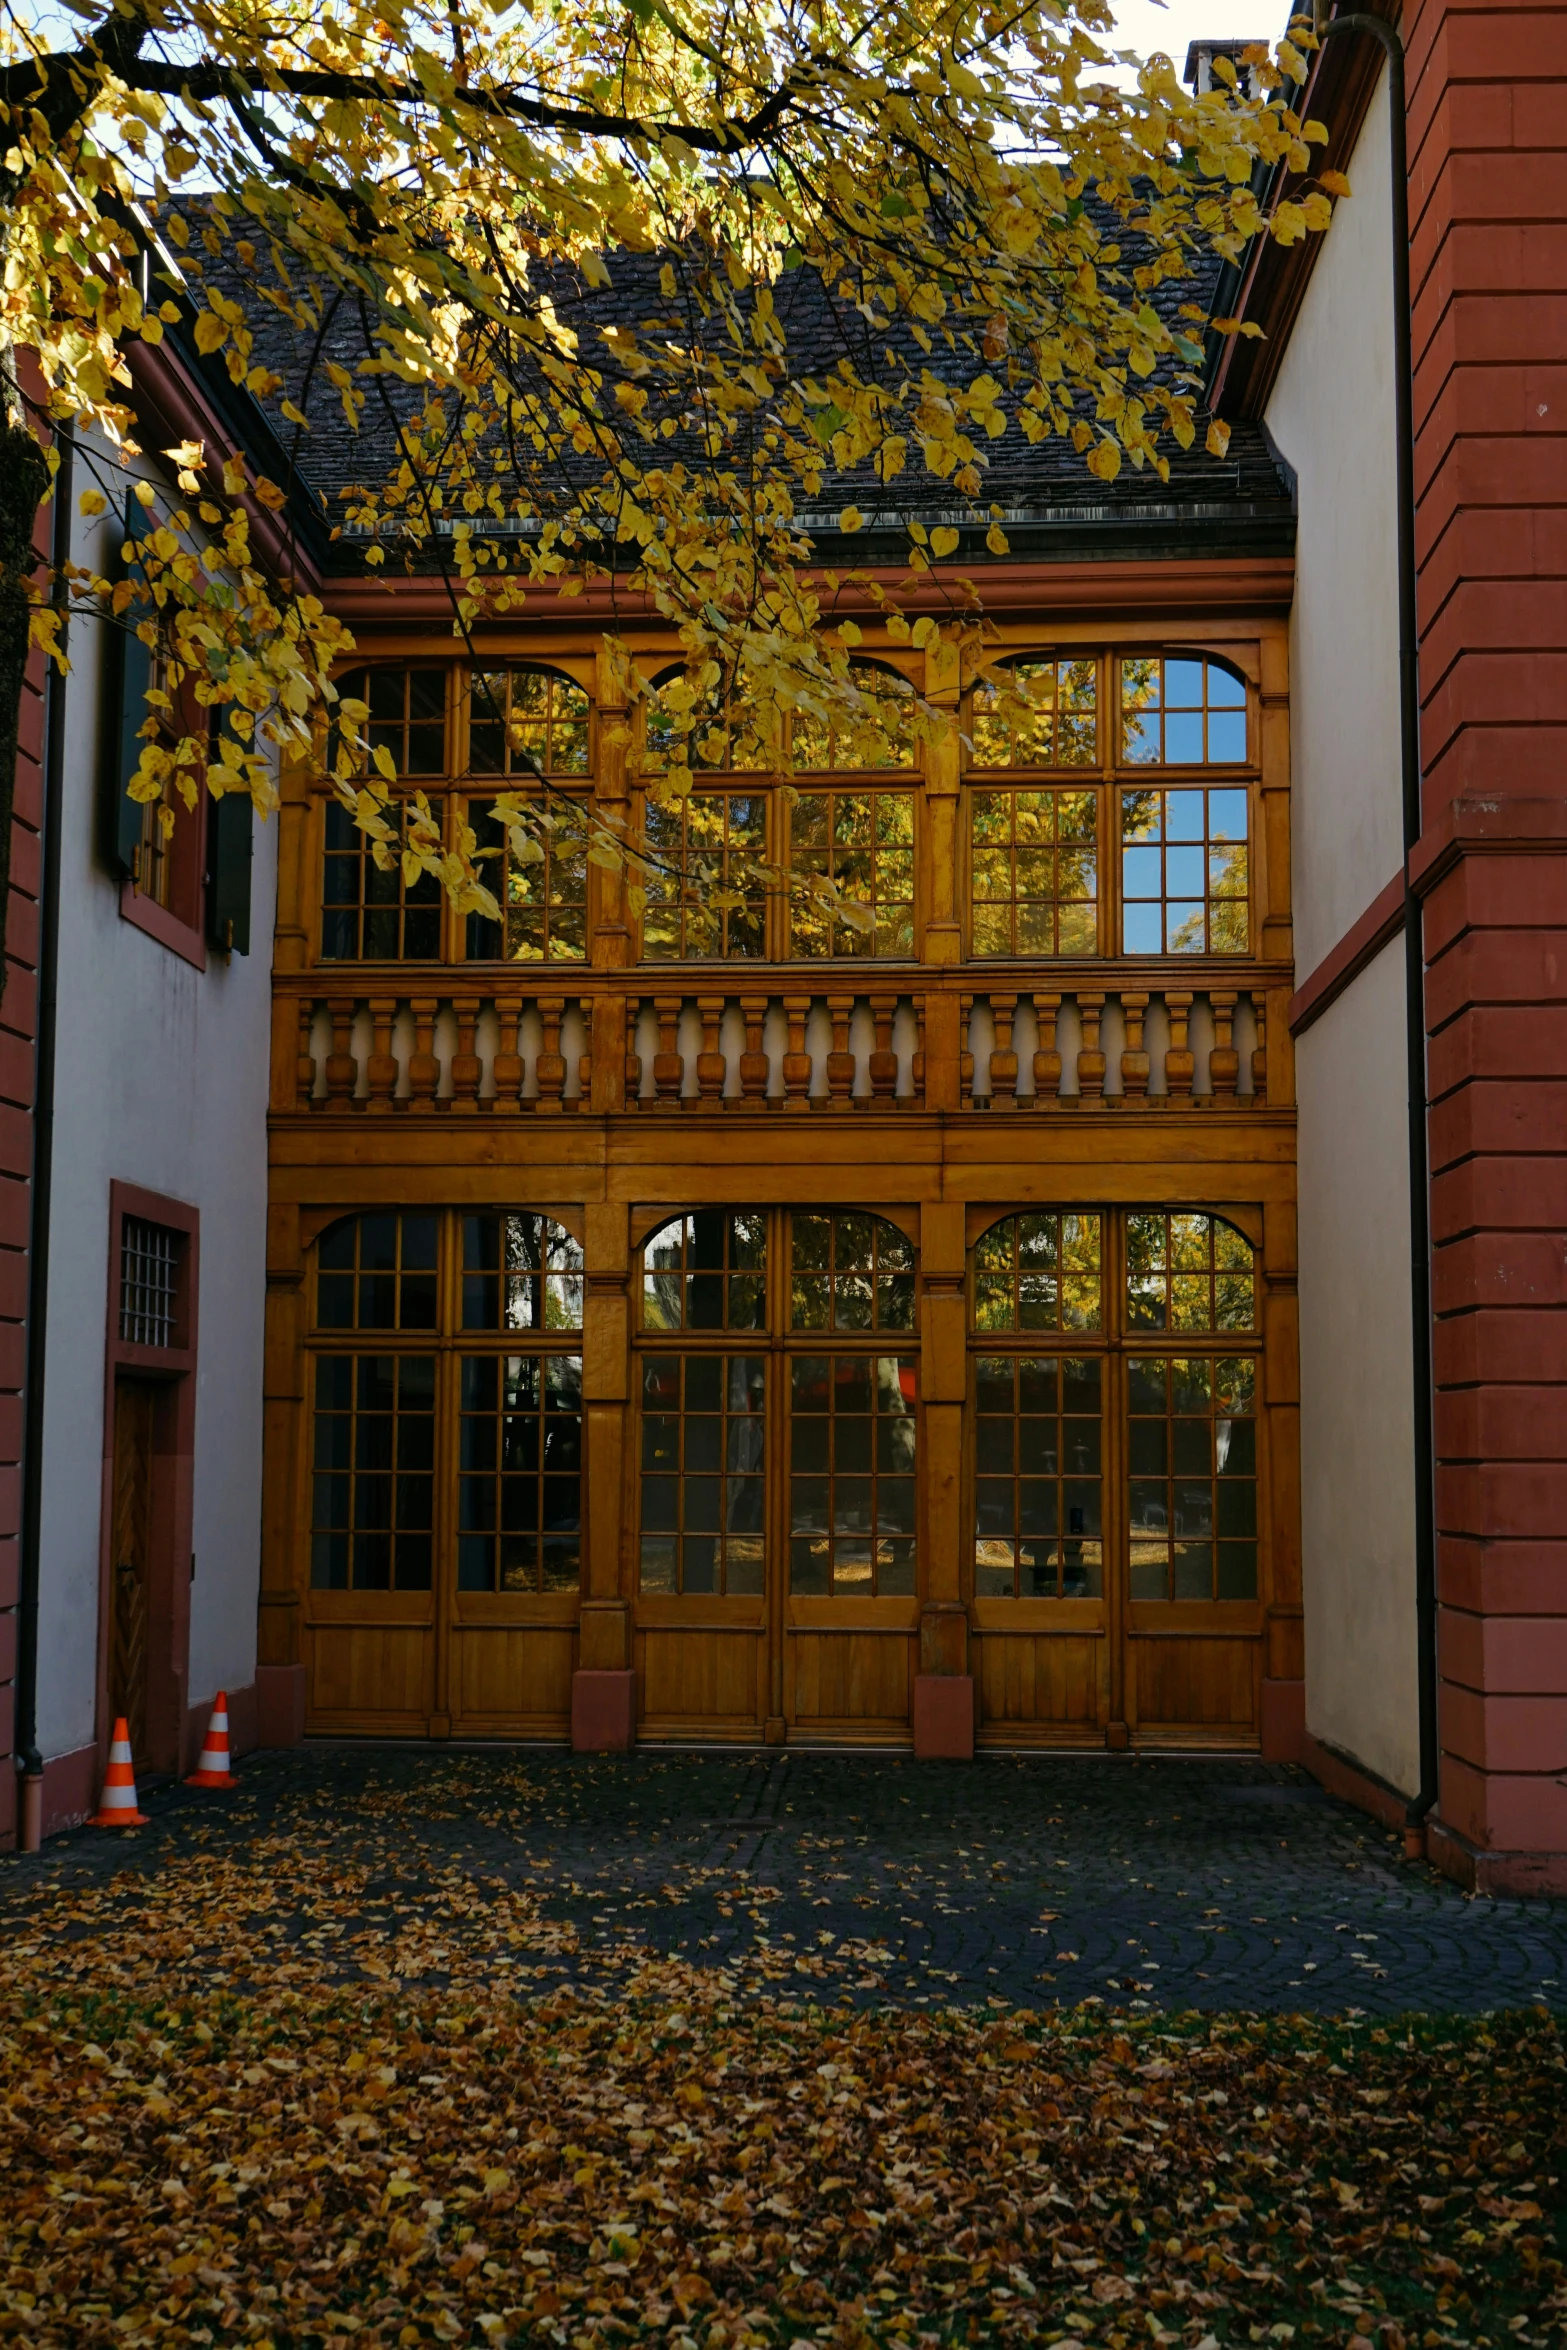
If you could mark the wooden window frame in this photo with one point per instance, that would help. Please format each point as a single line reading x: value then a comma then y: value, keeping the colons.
x: 447, y: 1342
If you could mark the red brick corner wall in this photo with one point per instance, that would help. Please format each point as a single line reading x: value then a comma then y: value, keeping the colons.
x: 1488, y: 209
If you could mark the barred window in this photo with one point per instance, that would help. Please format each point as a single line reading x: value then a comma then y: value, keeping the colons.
x: 849, y: 1272
x: 1041, y: 713
x: 1187, y: 1271
x: 706, y: 1271
x: 1181, y: 712
x: 520, y: 1272
x: 527, y: 722
x: 1192, y: 1478
x: 1040, y: 1271
x: 149, y: 1283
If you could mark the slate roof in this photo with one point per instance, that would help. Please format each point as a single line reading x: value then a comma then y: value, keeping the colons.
x: 1052, y: 507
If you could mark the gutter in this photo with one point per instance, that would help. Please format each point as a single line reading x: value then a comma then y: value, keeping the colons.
x: 42, y: 1186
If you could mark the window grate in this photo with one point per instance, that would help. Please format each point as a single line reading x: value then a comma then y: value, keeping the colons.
x: 149, y: 1274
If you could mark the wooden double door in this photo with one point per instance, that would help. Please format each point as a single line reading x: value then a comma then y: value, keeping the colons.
x: 811, y: 1473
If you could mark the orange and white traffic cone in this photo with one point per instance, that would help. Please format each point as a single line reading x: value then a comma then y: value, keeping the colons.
x: 117, y: 1805
x: 213, y: 1768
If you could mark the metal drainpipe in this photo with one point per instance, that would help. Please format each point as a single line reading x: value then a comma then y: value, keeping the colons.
x: 1422, y: 1383
x: 31, y: 1761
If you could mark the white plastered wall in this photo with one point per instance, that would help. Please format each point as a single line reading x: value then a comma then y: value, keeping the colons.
x: 1331, y: 415
x: 161, y: 1082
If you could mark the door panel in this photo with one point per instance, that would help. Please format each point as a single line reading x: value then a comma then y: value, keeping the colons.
x: 1044, y: 1687
x: 131, y: 1560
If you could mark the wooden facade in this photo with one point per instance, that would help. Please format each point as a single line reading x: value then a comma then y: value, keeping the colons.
x: 933, y: 1095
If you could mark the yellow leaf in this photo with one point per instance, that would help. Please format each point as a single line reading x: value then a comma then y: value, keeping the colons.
x: 1334, y: 183
x: 91, y: 502
x: 211, y: 333
x: 1105, y: 460
x: 851, y: 519
x: 1218, y: 439
x: 997, y: 541
x: 385, y: 763
x: 943, y: 540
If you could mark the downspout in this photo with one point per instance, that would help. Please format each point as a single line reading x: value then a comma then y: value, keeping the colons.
x: 29, y: 1758
x: 1422, y: 1382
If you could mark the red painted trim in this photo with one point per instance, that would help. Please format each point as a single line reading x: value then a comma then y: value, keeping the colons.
x: 1352, y: 1783
x: 1488, y: 824
x: 1360, y: 945
x: 70, y: 1788
x: 146, y: 914
x: 1217, y: 585
x: 173, y: 1490
x: 173, y: 407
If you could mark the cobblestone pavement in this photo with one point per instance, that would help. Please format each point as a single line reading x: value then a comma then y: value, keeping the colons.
x: 1145, y: 1882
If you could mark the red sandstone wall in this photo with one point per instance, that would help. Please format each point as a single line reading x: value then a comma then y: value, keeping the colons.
x: 1488, y: 202
x: 18, y: 1011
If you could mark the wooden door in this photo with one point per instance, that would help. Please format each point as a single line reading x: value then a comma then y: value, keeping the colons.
x: 130, y: 1563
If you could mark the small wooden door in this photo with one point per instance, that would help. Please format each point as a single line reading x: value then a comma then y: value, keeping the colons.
x: 131, y: 1557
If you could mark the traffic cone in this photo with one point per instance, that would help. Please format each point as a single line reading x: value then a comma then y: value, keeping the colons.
x: 117, y: 1804
x: 213, y: 1768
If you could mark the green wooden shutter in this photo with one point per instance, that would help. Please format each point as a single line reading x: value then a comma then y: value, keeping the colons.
x: 228, y: 872
x: 127, y: 674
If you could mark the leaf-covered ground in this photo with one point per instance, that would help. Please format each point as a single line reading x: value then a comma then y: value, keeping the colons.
x: 246, y: 2097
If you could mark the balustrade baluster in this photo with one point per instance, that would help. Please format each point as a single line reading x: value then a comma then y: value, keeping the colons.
x: 883, y: 1060
x: 1224, y: 1062
x: 1090, y: 1060
x: 1047, y: 1058
x: 467, y: 1068
x: 305, y: 1066
x: 552, y: 1061
x: 840, y: 1061
x: 668, y: 1068
x: 381, y: 1068
x: 424, y: 1070
x: 342, y: 1069
x: 796, y: 1060
x: 753, y: 1061
x: 509, y: 1069
x: 633, y: 1056
x: 1180, y: 1062
x: 710, y: 1071
x: 1134, y: 1058
x: 1003, y: 1057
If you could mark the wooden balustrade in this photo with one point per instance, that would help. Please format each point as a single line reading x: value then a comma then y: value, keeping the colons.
x: 555, y: 1054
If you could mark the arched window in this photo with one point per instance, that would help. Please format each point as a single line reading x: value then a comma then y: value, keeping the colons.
x: 849, y: 1272
x: 1040, y: 711
x: 684, y: 720
x: 377, y: 1272
x: 878, y: 734
x: 1188, y: 1271
x: 1040, y: 1271
x: 527, y: 722
x: 706, y: 1271
x: 520, y: 1272
x: 407, y: 705
x: 1180, y: 710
